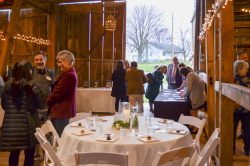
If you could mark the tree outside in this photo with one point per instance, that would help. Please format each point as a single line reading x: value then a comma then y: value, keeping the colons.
x: 142, y: 24
x: 184, y: 41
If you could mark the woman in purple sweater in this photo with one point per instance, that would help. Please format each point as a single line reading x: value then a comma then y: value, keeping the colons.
x: 62, y: 101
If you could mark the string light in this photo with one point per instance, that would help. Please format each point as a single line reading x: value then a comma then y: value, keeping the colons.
x: 32, y: 39
x: 1, y: 35
x: 212, y: 13
x: 245, y: 10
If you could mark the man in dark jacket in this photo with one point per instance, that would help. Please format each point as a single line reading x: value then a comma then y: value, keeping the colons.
x: 174, y: 79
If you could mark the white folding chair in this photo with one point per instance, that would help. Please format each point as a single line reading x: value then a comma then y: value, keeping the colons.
x: 80, y: 115
x: 174, y: 154
x: 195, y: 122
x: 50, y: 154
x: 209, y: 148
x: 48, y: 127
x: 101, y: 158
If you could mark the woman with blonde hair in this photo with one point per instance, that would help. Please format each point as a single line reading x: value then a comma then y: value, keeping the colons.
x: 153, y: 90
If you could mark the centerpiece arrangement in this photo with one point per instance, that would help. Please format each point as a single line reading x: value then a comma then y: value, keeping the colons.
x: 125, y: 120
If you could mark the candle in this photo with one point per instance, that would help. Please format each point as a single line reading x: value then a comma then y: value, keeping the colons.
x: 126, y: 115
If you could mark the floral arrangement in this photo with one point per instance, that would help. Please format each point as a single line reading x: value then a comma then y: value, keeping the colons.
x: 122, y: 124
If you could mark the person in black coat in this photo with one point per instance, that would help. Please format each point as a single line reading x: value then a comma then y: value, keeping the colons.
x: 119, y: 85
x: 21, y: 97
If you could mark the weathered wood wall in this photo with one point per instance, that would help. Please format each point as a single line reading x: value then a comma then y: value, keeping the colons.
x: 31, y: 22
x: 80, y: 30
x: 96, y: 50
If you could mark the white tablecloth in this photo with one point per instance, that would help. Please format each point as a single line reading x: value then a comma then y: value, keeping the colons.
x: 95, y: 100
x: 140, y: 153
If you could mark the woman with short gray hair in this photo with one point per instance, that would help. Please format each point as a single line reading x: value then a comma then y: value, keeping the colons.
x: 62, y: 101
x: 240, y: 113
x: 66, y: 55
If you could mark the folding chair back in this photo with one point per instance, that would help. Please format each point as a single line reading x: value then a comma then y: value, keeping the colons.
x: 195, y: 122
x: 175, y: 154
x: 210, y: 141
x: 49, y: 151
x: 80, y: 115
x: 48, y: 127
x: 101, y: 158
x: 207, y: 153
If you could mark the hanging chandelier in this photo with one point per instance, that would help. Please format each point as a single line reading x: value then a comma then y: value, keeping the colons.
x: 110, y: 22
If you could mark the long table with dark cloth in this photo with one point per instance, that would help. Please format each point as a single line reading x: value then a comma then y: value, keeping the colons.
x: 168, y: 105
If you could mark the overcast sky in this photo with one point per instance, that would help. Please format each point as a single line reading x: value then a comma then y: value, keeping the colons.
x: 182, y: 9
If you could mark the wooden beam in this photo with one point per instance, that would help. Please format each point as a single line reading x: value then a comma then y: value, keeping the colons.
x: 38, y: 5
x: 197, y: 31
x: 209, y: 51
x: 237, y: 93
x: 226, y: 60
x: 54, y: 36
x: 7, y: 46
x: 10, y: 7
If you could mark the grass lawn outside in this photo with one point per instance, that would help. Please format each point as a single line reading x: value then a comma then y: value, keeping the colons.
x: 149, y: 67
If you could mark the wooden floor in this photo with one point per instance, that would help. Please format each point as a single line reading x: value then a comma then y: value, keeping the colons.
x: 239, y: 158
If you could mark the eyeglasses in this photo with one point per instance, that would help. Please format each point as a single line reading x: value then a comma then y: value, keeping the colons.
x: 60, y: 62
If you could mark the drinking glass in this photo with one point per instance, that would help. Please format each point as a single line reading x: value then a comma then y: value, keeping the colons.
x: 169, y: 125
x: 151, y: 130
x: 99, y: 127
x: 95, y: 119
x: 88, y: 123
x: 147, y: 119
x: 123, y: 131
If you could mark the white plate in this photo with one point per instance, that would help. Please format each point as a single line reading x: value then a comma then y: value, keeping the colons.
x: 162, y: 121
x: 78, y: 133
x: 144, y: 139
x: 75, y: 124
x: 104, y: 138
x: 182, y: 132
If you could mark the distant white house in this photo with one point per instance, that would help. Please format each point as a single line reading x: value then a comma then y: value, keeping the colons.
x: 155, y: 52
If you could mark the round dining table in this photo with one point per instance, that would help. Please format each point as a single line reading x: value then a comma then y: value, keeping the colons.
x: 140, y: 153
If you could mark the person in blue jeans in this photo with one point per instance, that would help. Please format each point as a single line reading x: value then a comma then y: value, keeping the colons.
x: 240, y: 113
x: 153, y: 90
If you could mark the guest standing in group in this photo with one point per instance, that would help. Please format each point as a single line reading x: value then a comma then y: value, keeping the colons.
x: 62, y: 101
x: 21, y: 97
x: 153, y: 90
x: 195, y: 92
x: 174, y: 79
x: 181, y: 65
x: 127, y: 65
x: 135, y: 79
x: 242, y: 55
x: 119, y: 84
x: 240, y: 113
x: 45, y: 78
